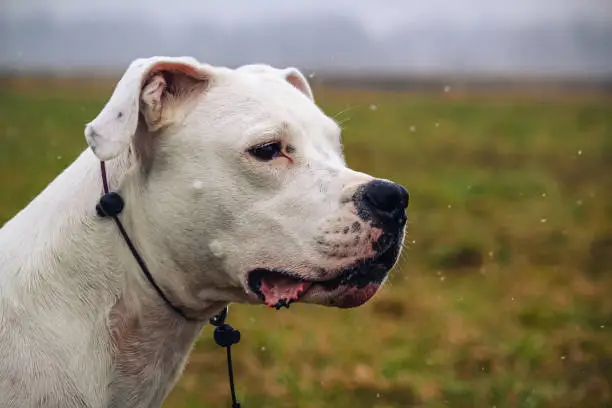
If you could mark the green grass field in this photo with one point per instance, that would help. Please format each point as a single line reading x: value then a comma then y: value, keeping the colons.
x: 503, y: 297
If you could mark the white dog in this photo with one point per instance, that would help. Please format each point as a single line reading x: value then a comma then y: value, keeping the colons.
x: 235, y: 189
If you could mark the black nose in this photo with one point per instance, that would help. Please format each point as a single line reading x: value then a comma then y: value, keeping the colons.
x: 385, y: 200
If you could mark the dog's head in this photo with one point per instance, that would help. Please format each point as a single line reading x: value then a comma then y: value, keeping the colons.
x: 244, y: 188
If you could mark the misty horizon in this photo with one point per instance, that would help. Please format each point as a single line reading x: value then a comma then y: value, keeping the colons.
x: 557, y: 44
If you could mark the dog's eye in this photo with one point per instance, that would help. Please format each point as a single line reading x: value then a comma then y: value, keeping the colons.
x: 267, y: 151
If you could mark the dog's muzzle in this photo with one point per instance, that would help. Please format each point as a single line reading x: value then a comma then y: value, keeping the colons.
x: 380, y: 203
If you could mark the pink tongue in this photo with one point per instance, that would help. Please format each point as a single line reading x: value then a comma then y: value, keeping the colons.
x: 282, y: 288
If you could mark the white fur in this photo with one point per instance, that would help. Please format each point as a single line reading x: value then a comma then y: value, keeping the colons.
x: 79, y: 325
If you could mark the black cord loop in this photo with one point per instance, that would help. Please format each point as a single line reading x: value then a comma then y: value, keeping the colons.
x: 110, y: 205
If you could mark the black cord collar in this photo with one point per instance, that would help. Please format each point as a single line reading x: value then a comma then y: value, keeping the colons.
x: 110, y: 205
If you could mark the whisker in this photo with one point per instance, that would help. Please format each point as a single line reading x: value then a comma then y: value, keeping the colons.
x: 343, y: 111
x: 342, y: 122
x: 339, y: 121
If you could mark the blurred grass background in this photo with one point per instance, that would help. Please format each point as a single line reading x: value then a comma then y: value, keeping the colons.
x: 503, y: 297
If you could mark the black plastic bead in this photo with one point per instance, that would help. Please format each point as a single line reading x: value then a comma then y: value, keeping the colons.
x: 110, y: 205
x: 225, y: 335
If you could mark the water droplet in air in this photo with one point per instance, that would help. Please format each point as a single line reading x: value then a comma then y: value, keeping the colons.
x: 447, y: 88
x: 59, y: 157
x: 563, y: 357
x: 373, y: 107
x: 263, y: 348
x: 413, y: 128
x: 378, y: 395
x: 449, y: 206
x: 543, y: 194
x: 437, y: 124
x: 579, y: 152
x: 198, y: 185
x: 579, y: 202
x: 311, y: 75
x: 543, y: 220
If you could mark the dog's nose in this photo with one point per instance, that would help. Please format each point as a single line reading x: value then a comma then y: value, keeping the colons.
x: 387, y: 201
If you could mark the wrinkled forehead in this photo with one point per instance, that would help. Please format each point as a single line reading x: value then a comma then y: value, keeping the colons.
x: 260, y: 106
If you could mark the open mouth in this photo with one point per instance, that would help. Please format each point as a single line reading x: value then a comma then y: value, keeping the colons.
x: 279, y: 288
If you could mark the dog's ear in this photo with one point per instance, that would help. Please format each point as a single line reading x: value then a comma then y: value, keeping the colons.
x: 298, y: 80
x: 152, y: 89
x: 290, y: 74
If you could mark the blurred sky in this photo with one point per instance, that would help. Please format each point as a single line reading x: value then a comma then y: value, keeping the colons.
x: 376, y: 15
x: 538, y: 35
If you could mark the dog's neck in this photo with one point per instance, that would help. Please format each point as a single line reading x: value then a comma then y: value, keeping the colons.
x: 149, y: 351
x: 82, y: 287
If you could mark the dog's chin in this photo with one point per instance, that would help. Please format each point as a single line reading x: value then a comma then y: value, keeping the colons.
x: 344, y: 296
x: 351, y: 286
